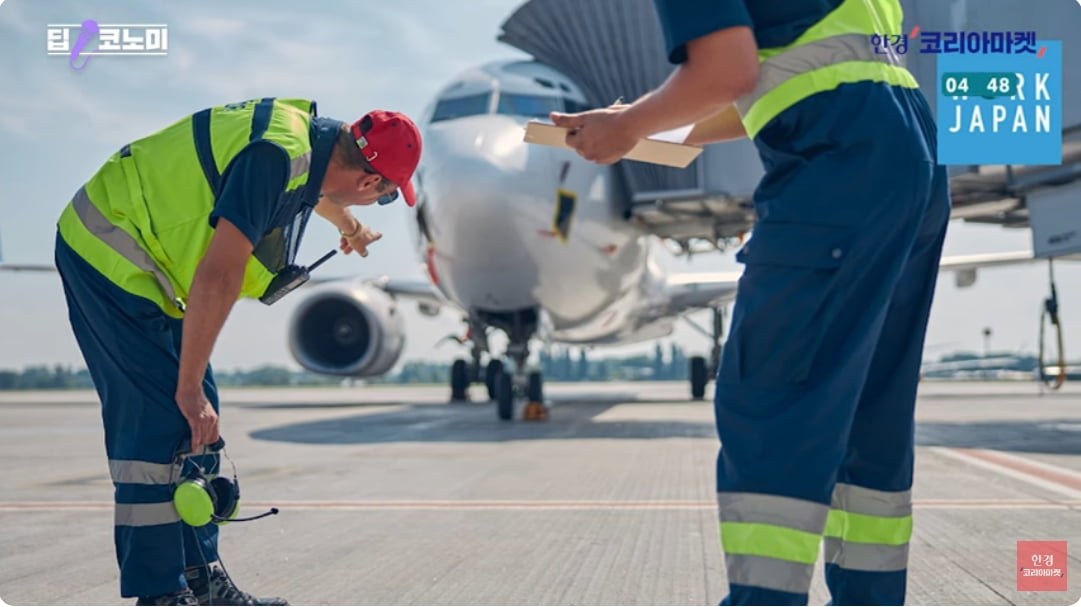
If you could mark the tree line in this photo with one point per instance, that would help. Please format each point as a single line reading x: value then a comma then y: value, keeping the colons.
x: 556, y: 365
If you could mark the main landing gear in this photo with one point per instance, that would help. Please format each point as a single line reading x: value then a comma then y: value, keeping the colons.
x: 702, y: 370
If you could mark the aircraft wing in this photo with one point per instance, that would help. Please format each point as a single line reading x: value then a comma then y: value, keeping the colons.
x: 421, y: 291
x: 27, y: 267
x: 694, y: 291
x: 684, y: 293
x: 24, y: 267
x: 965, y: 266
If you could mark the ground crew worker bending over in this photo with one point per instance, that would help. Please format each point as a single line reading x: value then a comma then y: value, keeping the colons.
x: 816, y: 389
x: 153, y: 252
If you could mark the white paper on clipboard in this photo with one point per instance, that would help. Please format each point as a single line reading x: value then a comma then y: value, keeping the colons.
x: 676, y: 135
x: 669, y: 152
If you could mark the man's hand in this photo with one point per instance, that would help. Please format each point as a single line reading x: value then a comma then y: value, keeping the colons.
x: 201, y: 417
x: 602, y: 136
x: 359, y: 240
x: 721, y: 66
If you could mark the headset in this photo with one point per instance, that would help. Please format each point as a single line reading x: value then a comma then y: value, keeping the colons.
x: 200, y: 501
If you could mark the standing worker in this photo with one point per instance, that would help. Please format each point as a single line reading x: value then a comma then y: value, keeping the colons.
x: 153, y: 252
x: 816, y: 389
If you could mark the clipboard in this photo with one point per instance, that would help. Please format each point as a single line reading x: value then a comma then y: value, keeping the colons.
x: 655, y: 151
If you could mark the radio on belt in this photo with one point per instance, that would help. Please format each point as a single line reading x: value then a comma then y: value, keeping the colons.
x: 291, y: 277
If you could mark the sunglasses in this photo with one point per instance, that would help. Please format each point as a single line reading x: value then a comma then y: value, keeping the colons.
x: 388, y: 198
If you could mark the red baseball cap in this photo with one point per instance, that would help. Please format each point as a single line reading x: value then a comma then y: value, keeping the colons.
x: 391, y: 143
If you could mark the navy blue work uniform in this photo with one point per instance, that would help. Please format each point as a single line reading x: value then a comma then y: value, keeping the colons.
x: 816, y: 389
x: 132, y: 350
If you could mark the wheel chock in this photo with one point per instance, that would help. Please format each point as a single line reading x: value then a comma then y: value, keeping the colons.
x: 535, y: 411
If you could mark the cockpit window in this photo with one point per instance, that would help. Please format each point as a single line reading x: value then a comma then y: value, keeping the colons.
x: 460, y: 107
x: 535, y: 106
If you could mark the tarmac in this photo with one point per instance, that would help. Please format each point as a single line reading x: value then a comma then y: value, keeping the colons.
x: 392, y: 496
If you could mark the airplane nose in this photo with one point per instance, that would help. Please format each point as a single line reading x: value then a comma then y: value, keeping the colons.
x: 495, y: 140
x: 481, y: 209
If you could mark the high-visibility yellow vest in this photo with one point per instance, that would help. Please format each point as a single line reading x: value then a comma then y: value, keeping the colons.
x: 835, y: 51
x: 142, y: 219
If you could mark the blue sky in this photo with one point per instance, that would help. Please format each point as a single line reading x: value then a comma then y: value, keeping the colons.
x: 58, y: 125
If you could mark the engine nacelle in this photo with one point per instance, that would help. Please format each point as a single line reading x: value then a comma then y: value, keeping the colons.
x: 349, y: 329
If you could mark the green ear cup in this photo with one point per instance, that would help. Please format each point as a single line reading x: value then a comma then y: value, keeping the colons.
x: 232, y: 515
x: 193, y: 503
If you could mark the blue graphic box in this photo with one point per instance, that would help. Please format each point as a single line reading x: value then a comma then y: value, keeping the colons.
x: 960, y: 143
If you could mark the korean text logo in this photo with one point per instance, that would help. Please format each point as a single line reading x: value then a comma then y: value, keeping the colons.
x: 81, y: 41
x: 1041, y: 566
x: 945, y: 43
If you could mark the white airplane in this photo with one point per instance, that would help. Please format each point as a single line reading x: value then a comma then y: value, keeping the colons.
x: 538, y: 243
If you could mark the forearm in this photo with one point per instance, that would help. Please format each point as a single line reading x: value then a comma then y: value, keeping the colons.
x: 339, y: 216
x: 720, y: 68
x: 685, y: 98
x: 214, y: 291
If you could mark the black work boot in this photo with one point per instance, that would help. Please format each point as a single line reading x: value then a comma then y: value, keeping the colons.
x: 220, y: 590
x: 184, y: 597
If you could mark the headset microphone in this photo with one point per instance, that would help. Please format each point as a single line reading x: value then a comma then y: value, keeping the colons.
x: 270, y: 512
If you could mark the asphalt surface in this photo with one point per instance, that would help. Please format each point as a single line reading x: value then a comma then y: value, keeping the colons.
x: 392, y: 496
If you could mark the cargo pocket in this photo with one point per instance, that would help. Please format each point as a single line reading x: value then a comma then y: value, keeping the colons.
x: 787, y: 300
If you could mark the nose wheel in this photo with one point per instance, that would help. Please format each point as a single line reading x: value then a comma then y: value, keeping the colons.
x: 508, y: 389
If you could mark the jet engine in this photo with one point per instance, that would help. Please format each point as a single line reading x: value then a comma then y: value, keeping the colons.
x: 349, y: 329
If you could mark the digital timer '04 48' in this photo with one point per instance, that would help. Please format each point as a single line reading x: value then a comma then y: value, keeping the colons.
x: 980, y: 84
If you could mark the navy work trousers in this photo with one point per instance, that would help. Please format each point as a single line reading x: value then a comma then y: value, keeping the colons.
x: 816, y: 389
x: 132, y: 349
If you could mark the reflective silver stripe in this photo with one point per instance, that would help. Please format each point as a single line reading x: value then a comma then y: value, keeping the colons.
x: 294, y: 236
x: 861, y: 500
x: 765, y: 572
x: 865, y: 557
x: 118, y: 239
x: 145, y: 515
x: 779, y: 510
x: 299, y: 165
x: 804, y: 58
x: 142, y: 473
